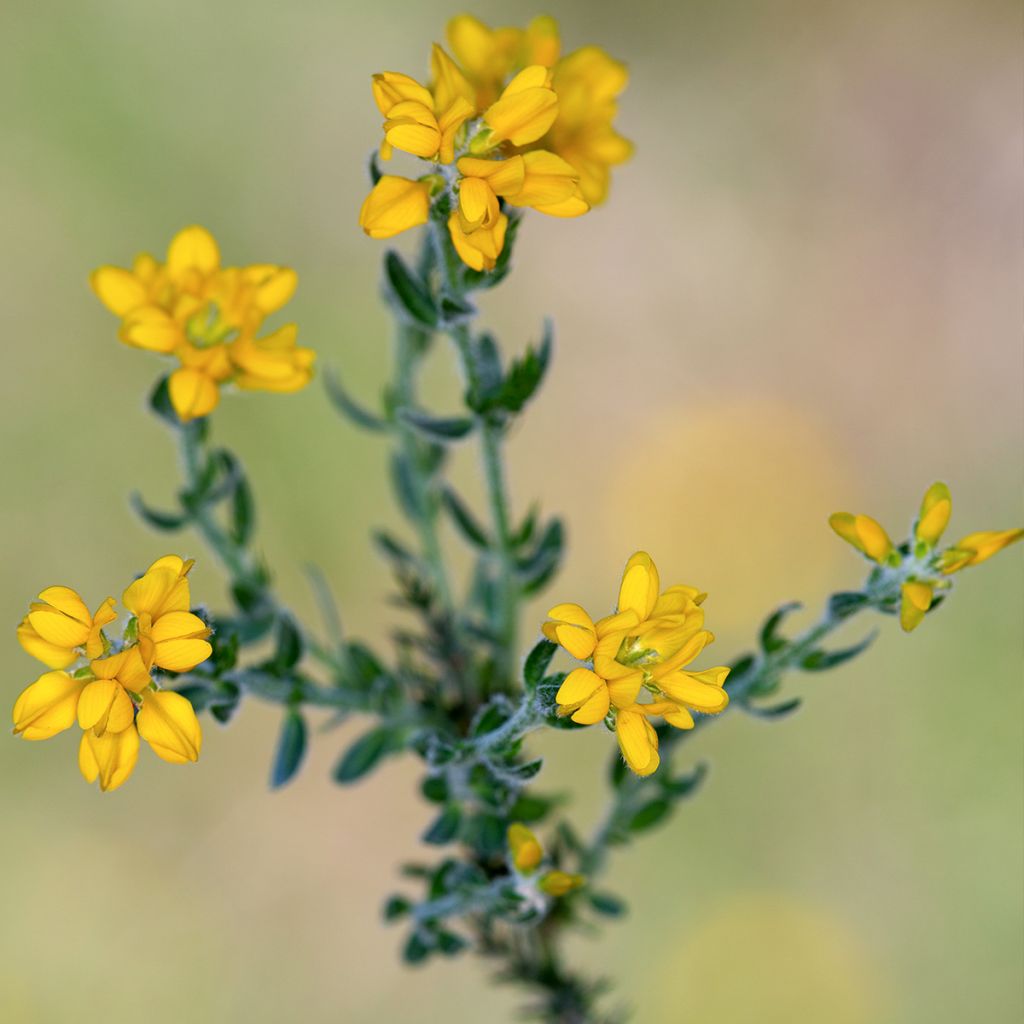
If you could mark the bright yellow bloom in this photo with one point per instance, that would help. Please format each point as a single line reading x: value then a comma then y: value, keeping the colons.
x: 527, y: 854
x: 394, y: 205
x: 114, y: 698
x: 921, y: 569
x: 526, y: 109
x: 525, y: 848
x: 59, y: 625
x: 478, y: 249
x: 647, y: 643
x: 207, y: 316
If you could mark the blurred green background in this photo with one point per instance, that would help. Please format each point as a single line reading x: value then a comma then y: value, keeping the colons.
x: 803, y: 296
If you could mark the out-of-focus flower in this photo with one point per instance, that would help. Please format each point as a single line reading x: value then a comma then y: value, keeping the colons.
x: 526, y: 855
x: 208, y: 317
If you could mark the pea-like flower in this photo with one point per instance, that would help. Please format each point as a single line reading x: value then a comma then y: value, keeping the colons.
x: 919, y: 569
x: 208, y: 317
x: 489, y: 124
x: 526, y: 856
x: 646, y: 644
x: 114, y: 696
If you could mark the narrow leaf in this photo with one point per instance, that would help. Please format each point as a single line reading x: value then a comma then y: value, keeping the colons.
x: 437, y: 428
x: 777, y: 711
x: 348, y: 406
x: 537, y: 662
x: 291, y: 749
x: 466, y: 522
x: 770, y: 641
x: 820, y: 661
x: 363, y: 755
x: 156, y: 519
x: 445, y: 826
x: 410, y: 292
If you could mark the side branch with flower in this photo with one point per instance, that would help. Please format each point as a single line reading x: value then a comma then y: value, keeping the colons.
x: 505, y: 123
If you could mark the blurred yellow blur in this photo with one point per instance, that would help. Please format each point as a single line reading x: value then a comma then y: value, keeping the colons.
x: 803, y: 296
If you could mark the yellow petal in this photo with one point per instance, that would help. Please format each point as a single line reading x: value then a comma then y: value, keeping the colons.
x: 66, y: 600
x: 979, y: 547
x: 478, y: 204
x: 152, y: 329
x: 637, y: 741
x: 478, y: 249
x: 57, y: 628
x: 112, y: 757
x: 181, y: 655
x: 169, y: 725
x: 640, y: 585
x: 504, y: 176
x: 118, y: 289
x: 449, y: 83
x: 526, y: 110
x: 548, y: 179
x: 412, y: 128
x: 49, y: 654
x: 159, y: 591
x: 193, y: 394
x: 47, y: 706
x: 192, y: 249
x: 915, y: 600
x: 864, y: 533
x: 526, y: 851
x: 394, y: 205
x: 96, y: 702
x: 594, y: 709
x: 578, y: 687
x: 934, y: 516
x: 560, y: 883
x: 692, y: 691
x: 392, y: 87
x: 624, y: 691
x: 274, y: 286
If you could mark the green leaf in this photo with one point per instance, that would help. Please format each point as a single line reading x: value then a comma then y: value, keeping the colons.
x: 526, y: 374
x: 537, y: 569
x: 455, y: 310
x: 396, y: 907
x: 435, y: 789
x: 404, y: 483
x: 291, y: 749
x: 821, y: 661
x: 445, y: 826
x: 158, y: 520
x: 649, y: 815
x: 290, y: 645
x: 417, y: 947
x: 160, y: 403
x: 347, y: 406
x: 409, y: 292
x: 606, y: 903
x: 683, y: 786
x: 374, y: 168
x: 363, y: 756
x: 243, y: 512
x: 466, y: 522
x: 485, y: 373
x: 485, y: 833
x: 776, y: 711
x: 530, y: 808
x: 537, y: 662
x: 437, y: 428
x: 770, y: 640
x: 846, y: 603
x: 449, y: 943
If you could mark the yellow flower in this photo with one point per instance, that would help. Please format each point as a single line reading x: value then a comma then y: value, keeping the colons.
x: 976, y: 548
x: 419, y: 121
x: 394, y: 205
x: 647, y: 643
x: 478, y: 249
x: 864, y: 533
x: 560, y: 883
x: 203, y: 314
x: 114, y: 698
x: 550, y: 185
x: 481, y: 183
x: 525, y: 110
x: 920, y: 570
x: 525, y: 848
x: 587, y: 84
x: 59, y: 624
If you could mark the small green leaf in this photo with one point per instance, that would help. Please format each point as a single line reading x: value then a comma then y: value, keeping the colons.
x: 776, y: 711
x: 160, y: 403
x: 649, y: 815
x: 485, y: 833
x: 291, y: 749
x: 449, y: 943
x: 526, y: 374
x: 437, y: 428
x: 348, y: 406
x: 445, y: 826
x: 537, y: 662
x: 820, y: 661
x: 683, y: 786
x: 290, y: 645
x: 485, y: 373
x: 537, y: 568
x: 455, y: 310
x: 404, y: 483
x: 396, y: 907
x: 243, y: 512
x: 770, y: 640
x: 364, y: 755
x: 435, y: 789
x: 417, y: 948
x: 409, y: 292
x: 158, y: 520
x: 606, y: 903
x: 846, y: 603
x: 466, y: 522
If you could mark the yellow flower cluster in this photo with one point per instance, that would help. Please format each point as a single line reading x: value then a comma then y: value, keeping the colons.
x: 508, y: 122
x: 645, y: 645
x: 207, y: 317
x: 113, y: 696
x: 921, y: 565
x: 526, y: 855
